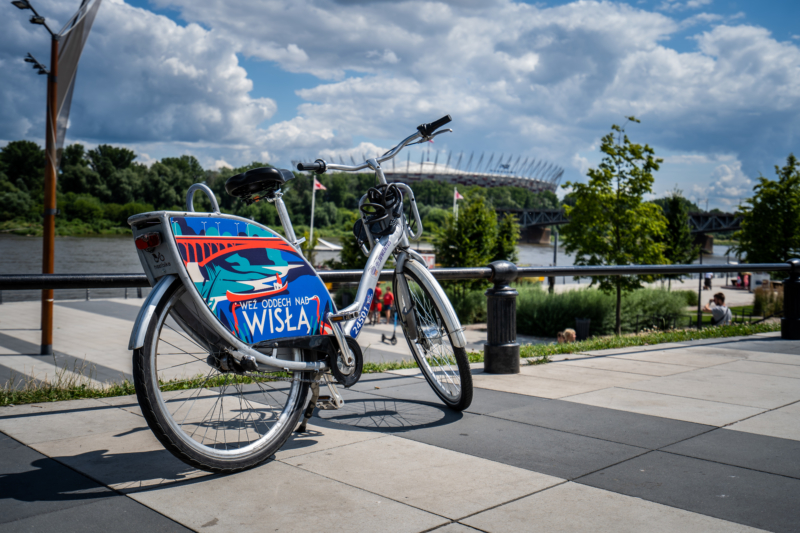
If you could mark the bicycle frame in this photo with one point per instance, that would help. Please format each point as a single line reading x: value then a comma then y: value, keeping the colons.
x: 165, y: 265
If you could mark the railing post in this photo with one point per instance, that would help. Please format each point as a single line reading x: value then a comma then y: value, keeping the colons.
x: 501, y: 351
x: 790, y: 323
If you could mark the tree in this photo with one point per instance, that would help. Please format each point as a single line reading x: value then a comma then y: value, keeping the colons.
x: 351, y: 256
x: 507, y: 239
x: 23, y: 164
x: 680, y: 246
x: 610, y: 224
x: 470, y: 240
x: 769, y: 223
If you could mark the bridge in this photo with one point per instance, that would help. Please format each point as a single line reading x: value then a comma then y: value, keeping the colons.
x: 535, y: 224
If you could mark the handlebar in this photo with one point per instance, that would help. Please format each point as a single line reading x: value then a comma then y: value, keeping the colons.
x: 425, y: 132
x: 317, y: 166
x: 427, y: 129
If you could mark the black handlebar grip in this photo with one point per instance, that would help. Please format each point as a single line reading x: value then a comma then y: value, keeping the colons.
x: 428, y: 129
x: 317, y: 166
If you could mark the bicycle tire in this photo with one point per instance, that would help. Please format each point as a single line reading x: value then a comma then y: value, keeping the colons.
x: 160, y: 407
x: 456, y: 391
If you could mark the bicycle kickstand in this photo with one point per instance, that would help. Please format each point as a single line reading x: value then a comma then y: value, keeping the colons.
x: 312, y: 403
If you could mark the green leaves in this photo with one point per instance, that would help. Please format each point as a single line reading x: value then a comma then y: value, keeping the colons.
x: 770, y: 222
x: 610, y: 224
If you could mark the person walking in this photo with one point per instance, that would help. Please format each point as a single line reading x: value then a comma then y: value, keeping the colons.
x: 376, y: 307
x: 720, y: 313
x: 707, y: 281
x: 388, y: 304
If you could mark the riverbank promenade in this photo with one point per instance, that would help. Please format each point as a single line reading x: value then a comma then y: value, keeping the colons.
x: 701, y: 436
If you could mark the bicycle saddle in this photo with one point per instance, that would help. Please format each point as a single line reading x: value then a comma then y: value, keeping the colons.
x: 248, y: 183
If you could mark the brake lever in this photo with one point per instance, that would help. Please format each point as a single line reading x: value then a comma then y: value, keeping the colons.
x: 428, y: 139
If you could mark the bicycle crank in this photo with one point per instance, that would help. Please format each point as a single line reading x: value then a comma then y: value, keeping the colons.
x: 347, y: 375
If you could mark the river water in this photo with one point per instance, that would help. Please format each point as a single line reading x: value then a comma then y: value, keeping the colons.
x: 117, y: 255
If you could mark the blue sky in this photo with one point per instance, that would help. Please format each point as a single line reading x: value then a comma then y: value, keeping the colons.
x: 716, y: 83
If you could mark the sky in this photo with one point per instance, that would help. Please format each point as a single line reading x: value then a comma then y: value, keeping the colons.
x: 715, y: 83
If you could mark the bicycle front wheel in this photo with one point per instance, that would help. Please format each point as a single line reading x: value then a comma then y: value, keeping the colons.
x: 445, y: 366
x: 200, y: 405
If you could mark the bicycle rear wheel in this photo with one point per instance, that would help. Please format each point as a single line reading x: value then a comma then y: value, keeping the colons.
x: 200, y: 405
x: 445, y: 366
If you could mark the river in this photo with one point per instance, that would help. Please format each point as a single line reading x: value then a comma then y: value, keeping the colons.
x: 117, y: 255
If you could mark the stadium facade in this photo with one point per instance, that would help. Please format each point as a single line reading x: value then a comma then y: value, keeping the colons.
x: 462, y: 169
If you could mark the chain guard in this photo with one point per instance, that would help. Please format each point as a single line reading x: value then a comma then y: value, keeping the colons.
x: 338, y: 369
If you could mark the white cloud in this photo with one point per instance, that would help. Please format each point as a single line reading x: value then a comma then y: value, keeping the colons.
x: 543, y: 82
x: 675, y: 5
x: 728, y: 186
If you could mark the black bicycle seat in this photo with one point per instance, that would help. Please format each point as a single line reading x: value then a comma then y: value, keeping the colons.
x: 248, y: 183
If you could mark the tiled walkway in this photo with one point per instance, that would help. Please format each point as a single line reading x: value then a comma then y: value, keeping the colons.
x: 699, y: 436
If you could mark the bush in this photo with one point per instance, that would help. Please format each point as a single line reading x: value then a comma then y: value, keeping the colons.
x: 768, y: 302
x: 691, y: 296
x: 542, y: 314
x: 470, y: 306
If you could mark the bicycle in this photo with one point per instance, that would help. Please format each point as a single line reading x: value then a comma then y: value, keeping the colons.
x: 239, y: 327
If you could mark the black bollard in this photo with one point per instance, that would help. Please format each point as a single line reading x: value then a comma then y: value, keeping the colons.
x: 501, y: 352
x: 790, y: 323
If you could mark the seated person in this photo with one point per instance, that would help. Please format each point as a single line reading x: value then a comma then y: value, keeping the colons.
x: 569, y: 335
x: 720, y: 315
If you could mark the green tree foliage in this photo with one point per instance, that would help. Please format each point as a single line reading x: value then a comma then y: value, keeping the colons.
x: 474, y: 239
x: 680, y: 248
x: 22, y: 162
x: 769, y: 223
x: 507, y: 238
x: 610, y: 224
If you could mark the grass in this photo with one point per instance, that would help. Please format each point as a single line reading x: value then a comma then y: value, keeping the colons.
x: 75, y: 383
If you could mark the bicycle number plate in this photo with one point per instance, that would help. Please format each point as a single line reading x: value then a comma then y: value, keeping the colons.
x: 252, y: 279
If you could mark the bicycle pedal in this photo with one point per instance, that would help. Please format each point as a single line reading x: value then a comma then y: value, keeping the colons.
x: 328, y: 403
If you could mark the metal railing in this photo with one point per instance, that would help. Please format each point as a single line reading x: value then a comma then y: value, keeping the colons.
x: 501, y: 350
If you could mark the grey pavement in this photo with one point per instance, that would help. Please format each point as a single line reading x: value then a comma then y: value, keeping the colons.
x: 697, y: 436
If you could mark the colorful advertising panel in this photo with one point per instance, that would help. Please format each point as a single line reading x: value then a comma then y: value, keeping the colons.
x: 253, y: 280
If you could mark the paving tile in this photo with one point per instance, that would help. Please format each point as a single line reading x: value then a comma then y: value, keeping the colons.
x: 731, y: 493
x: 548, y: 451
x: 634, y: 349
x: 757, y: 452
x: 782, y: 423
x: 715, y: 384
x: 628, y: 365
x: 455, y: 528
x: 99, y: 418
x: 573, y: 507
x: 31, y: 484
x: 289, y: 499
x: 771, y: 345
x: 750, y: 366
x: 682, y: 356
x: 455, y: 484
x: 608, y: 424
x: 50, y: 408
x: 125, y: 461
x: 533, y: 386
x: 667, y: 406
x: 370, y: 382
x: 389, y: 415
x: 114, y: 513
x: 105, y: 308
x: 323, y: 435
x: 564, y: 371
x: 487, y: 401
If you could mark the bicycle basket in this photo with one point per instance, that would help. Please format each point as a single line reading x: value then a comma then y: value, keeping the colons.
x: 383, y: 209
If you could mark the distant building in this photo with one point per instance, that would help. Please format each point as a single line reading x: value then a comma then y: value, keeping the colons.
x: 530, y: 173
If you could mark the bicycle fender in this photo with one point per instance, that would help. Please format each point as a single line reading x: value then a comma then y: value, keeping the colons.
x: 148, y: 310
x: 405, y: 306
x: 450, y: 318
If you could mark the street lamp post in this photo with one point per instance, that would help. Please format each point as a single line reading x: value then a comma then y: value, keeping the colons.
x: 700, y: 295
x: 49, y: 223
